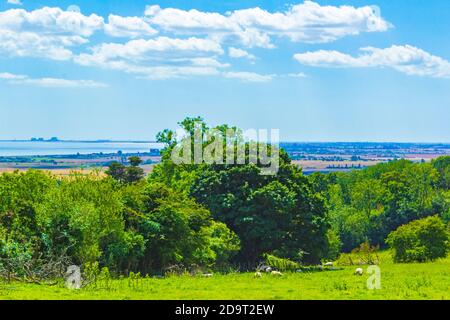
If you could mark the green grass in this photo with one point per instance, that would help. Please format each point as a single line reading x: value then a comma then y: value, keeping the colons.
x: 398, y: 281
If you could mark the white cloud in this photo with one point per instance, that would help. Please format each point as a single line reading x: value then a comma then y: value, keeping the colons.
x: 30, y: 44
x: 171, y: 72
x: 248, y: 76
x: 63, y: 83
x: 297, y: 75
x: 141, y: 49
x: 192, y: 41
x: 18, y: 79
x: 305, y: 22
x: 46, y: 32
x: 15, y: 2
x: 132, y: 27
x: 159, y: 58
x: 406, y: 59
x: 135, y: 53
x: 50, y: 20
x: 11, y: 76
x: 208, y: 62
x: 239, y: 53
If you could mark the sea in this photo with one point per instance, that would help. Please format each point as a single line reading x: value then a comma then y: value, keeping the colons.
x: 53, y: 148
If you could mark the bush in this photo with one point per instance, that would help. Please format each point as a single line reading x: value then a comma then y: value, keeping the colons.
x: 280, y: 263
x: 420, y: 240
x: 365, y: 254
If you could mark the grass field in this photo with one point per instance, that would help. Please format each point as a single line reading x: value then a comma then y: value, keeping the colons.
x: 398, y: 281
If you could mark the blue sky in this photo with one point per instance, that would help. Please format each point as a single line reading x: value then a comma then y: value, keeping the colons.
x: 318, y: 71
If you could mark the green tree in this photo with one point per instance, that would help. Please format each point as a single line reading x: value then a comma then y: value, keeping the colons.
x: 278, y: 213
x: 124, y: 174
x: 420, y: 240
x: 117, y: 171
x: 135, y: 161
x: 134, y: 173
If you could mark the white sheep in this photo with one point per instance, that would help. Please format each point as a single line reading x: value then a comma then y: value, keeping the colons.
x: 207, y: 275
x: 277, y: 273
x: 266, y: 269
x: 359, y: 271
x: 258, y: 274
x: 328, y: 264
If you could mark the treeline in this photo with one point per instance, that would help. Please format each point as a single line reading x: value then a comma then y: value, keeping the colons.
x: 207, y: 216
x: 367, y: 205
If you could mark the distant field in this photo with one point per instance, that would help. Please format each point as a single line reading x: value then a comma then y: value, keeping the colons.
x: 398, y: 281
x: 319, y: 165
x: 312, y: 157
x: 65, y: 172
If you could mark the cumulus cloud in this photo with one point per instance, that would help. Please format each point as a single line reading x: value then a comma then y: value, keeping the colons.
x: 248, y: 76
x: 158, y: 58
x: 297, y: 75
x: 239, y: 53
x: 139, y: 50
x: 50, y: 20
x: 18, y: 79
x: 132, y: 27
x: 46, y: 32
x: 304, y: 22
x: 169, y: 42
x: 31, y: 44
x: 406, y: 59
x: 208, y: 62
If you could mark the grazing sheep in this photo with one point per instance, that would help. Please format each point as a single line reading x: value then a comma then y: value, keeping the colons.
x: 265, y: 268
x: 277, y: 273
x: 258, y: 274
x: 328, y: 264
x: 359, y: 271
x: 207, y: 275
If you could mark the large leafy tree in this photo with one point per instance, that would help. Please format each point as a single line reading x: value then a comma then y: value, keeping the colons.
x: 270, y: 213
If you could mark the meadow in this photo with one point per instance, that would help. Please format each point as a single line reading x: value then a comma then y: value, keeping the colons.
x: 210, y: 217
x: 422, y: 281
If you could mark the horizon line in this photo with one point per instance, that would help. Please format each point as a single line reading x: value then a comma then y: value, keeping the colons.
x: 281, y: 142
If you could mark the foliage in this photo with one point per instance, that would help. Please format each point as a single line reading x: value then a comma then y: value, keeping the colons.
x: 93, y: 220
x: 365, y: 254
x: 420, y: 240
x: 216, y: 216
x: 123, y: 174
x: 367, y: 205
x: 280, y: 263
x: 334, y: 245
x: 277, y: 214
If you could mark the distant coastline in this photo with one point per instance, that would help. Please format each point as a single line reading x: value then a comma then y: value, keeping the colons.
x: 311, y: 156
x: 79, y: 141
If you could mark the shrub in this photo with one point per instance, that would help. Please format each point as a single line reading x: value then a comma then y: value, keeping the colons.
x: 420, y: 240
x: 365, y: 254
x: 280, y: 263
